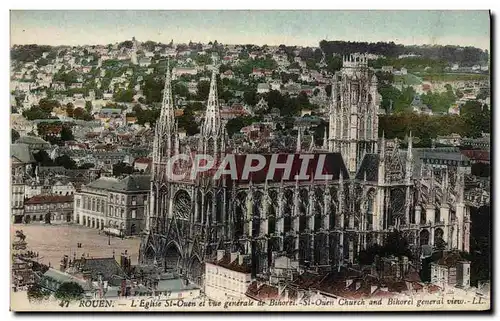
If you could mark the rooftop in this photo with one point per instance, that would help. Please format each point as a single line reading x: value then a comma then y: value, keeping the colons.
x: 131, y: 183
x: 22, y: 153
x: 49, y: 199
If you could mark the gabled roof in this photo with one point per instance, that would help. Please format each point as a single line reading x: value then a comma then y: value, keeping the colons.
x: 107, y: 267
x: 62, y: 277
x: 49, y: 199
x: 31, y: 140
x: 22, y: 153
x: 131, y: 183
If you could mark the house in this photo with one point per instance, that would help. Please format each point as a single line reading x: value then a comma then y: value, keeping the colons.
x: 452, y: 140
x: 257, y: 73
x: 228, y: 276
x: 144, y: 61
x: 22, y: 162
x: 179, y: 71
x: 452, y: 270
x: 387, y: 69
x: 48, y: 209
x: 142, y: 164
x: 228, y: 74
x: 454, y: 110
x: 263, y: 88
x: 76, y: 85
x: 419, y: 107
x: 52, y: 279
x: 116, y: 205
x: 192, y: 87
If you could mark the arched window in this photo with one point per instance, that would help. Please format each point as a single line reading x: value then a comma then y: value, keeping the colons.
x: 370, y: 210
x: 345, y: 123
x: 369, y: 124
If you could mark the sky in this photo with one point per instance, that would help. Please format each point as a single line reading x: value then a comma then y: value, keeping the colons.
x: 306, y: 28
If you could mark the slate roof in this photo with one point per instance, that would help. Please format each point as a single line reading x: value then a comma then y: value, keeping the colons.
x: 451, y: 259
x: 22, y: 153
x: 174, y: 285
x: 443, y: 153
x: 107, y: 267
x: 369, y: 165
x: 62, y: 277
x: 131, y: 183
x: 31, y: 140
x: 49, y: 199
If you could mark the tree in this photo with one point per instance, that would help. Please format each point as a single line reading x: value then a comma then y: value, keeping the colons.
x: 188, y: 122
x: 203, y: 90
x: 86, y: 166
x: 14, y: 135
x: 36, y: 293
x: 65, y: 161
x: 126, y: 44
x: 275, y: 100
x: 234, y: 125
x: 181, y: 90
x: 43, y: 159
x: 69, y: 109
x: 82, y: 114
x: 121, y: 168
x: 250, y: 97
x: 125, y: 96
x: 477, y: 117
x: 69, y: 291
x: 66, y: 134
x: 88, y: 106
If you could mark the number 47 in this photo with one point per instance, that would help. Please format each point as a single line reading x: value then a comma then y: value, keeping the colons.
x: 64, y: 304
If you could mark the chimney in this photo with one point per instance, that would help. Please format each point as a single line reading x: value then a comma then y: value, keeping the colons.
x: 405, y: 264
x: 373, y: 288
x: 242, y: 259
x: 234, y: 256
x: 87, y: 275
x: 220, y: 254
x: 285, y: 295
x: 348, y: 282
x: 274, y: 255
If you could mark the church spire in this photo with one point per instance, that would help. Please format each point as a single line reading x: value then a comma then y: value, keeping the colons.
x: 212, y: 115
x: 409, y: 159
x: 325, y: 140
x: 167, y: 106
x: 299, y: 142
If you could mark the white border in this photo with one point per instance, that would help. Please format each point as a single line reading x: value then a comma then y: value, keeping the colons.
x: 214, y: 4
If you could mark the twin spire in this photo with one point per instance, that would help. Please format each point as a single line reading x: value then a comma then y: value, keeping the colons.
x: 166, y: 138
x: 167, y: 117
x: 212, y: 124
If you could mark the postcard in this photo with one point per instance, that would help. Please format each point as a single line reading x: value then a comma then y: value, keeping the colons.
x: 250, y: 161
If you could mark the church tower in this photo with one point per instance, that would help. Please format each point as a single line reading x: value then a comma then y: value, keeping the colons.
x: 353, y: 111
x: 213, y: 133
x: 165, y: 145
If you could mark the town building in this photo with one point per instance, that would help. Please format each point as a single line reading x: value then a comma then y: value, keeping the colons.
x: 451, y: 270
x: 227, y: 277
x: 49, y: 209
x: 22, y: 162
x: 117, y: 206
